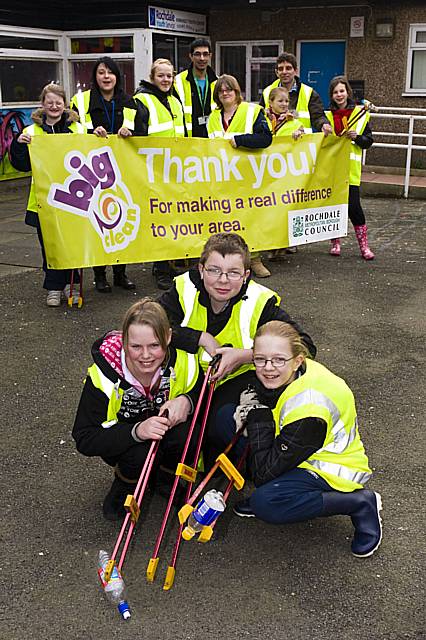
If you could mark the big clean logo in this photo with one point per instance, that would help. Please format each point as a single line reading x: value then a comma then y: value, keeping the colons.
x: 95, y: 190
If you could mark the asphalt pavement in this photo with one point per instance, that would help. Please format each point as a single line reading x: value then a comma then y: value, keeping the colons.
x: 253, y: 580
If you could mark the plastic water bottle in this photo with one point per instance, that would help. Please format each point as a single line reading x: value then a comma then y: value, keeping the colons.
x: 207, y: 510
x: 115, y: 589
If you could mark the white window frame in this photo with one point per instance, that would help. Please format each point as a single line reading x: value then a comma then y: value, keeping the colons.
x: 412, y: 47
x: 32, y: 54
x: 249, y: 44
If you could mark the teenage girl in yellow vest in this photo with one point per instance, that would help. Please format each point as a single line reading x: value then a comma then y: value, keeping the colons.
x: 283, y: 123
x: 135, y: 377
x: 306, y: 455
x: 342, y: 106
x: 245, y: 125
x: 163, y: 116
x: 52, y: 117
x: 106, y: 109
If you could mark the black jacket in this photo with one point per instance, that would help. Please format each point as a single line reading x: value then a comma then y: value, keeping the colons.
x: 187, y: 339
x: 199, y: 130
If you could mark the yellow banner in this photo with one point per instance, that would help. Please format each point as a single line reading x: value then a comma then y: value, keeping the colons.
x: 109, y: 201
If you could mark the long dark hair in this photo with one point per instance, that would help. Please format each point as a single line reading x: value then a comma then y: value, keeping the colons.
x: 113, y: 67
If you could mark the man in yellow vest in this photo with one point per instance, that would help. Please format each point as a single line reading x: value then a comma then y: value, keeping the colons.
x: 303, y: 98
x: 195, y: 86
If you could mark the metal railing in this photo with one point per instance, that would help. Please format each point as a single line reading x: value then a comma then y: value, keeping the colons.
x: 411, y: 116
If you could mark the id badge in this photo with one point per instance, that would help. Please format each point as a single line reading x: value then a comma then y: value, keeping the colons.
x: 203, y: 120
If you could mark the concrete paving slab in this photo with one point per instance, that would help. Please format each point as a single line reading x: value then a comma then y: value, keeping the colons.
x: 253, y: 580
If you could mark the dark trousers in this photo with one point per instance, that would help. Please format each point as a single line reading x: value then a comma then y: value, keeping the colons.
x: 130, y: 463
x: 355, y: 211
x: 54, y: 279
x: 117, y: 269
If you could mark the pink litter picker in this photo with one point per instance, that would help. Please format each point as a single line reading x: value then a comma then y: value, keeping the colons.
x: 185, y: 472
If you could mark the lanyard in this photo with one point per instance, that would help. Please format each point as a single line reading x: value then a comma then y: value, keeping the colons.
x: 202, y: 98
x: 108, y: 117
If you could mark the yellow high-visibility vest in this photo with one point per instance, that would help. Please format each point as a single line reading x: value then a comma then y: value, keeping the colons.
x: 355, y: 158
x: 302, y: 106
x: 319, y: 393
x: 184, y: 91
x: 161, y: 123
x: 242, y: 122
x: 81, y: 101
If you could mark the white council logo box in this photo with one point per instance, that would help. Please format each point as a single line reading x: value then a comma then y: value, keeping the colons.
x: 318, y: 223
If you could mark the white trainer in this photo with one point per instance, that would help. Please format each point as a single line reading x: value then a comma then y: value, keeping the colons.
x: 53, y: 298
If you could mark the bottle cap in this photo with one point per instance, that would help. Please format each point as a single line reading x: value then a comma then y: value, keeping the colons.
x: 123, y: 608
x: 188, y: 534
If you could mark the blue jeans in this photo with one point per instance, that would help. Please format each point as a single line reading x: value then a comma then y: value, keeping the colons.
x: 294, y: 496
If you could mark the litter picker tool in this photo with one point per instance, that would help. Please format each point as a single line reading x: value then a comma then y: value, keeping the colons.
x: 357, y: 115
x: 71, y: 299
x: 184, y: 471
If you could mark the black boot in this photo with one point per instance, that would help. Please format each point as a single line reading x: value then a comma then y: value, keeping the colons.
x: 113, y: 504
x: 121, y: 279
x: 101, y: 283
x: 364, y: 509
x: 163, y: 274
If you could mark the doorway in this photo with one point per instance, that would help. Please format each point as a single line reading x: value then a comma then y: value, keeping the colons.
x: 319, y: 63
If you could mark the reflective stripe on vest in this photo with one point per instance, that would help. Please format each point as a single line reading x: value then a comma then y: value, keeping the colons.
x: 355, y: 156
x: 319, y: 393
x: 267, y: 91
x: 182, y: 379
x: 302, y: 107
x: 242, y: 122
x: 241, y: 326
x: 82, y: 100
x: 184, y: 90
x: 36, y: 130
x: 161, y: 122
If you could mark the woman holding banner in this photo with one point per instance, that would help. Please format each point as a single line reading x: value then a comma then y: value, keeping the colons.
x: 244, y: 124
x: 343, y: 110
x: 105, y: 109
x: 217, y: 308
x: 51, y: 117
x: 135, y: 377
x: 163, y: 117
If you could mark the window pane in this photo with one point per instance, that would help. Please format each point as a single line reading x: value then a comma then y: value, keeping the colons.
x: 116, y: 44
x: 183, y: 53
x: 82, y: 75
x: 163, y: 47
x: 421, y: 36
x: 233, y: 61
x: 418, y: 74
x: 262, y: 74
x: 10, y: 42
x: 264, y: 51
x: 23, y: 80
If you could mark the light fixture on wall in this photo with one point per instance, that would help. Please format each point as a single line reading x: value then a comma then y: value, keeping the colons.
x: 384, y: 29
x: 252, y: 1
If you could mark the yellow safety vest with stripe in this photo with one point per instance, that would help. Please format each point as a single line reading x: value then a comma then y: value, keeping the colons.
x: 240, y: 328
x: 36, y: 130
x: 185, y: 376
x: 288, y: 127
x: 81, y: 101
x: 319, y: 393
x: 161, y: 123
x: 242, y: 122
x: 302, y: 106
x: 355, y: 157
x: 184, y: 91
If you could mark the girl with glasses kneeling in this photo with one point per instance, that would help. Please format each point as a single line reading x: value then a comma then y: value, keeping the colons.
x: 306, y: 454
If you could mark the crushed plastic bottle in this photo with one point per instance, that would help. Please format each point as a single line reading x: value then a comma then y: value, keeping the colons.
x: 207, y: 510
x: 114, y: 589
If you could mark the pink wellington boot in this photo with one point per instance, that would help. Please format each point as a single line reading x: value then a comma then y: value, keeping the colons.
x: 361, y: 236
x: 335, y: 247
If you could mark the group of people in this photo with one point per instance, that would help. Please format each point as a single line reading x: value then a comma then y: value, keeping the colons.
x: 306, y: 458
x: 194, y: 103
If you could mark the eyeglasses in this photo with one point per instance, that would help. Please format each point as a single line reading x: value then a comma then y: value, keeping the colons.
x: 201, y: 54
x: 222, y: 91
x: 216, y: 273
x: 277, y: 361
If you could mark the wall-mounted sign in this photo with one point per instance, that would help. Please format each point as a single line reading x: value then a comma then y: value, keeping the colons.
x: 172, y: 20
x: 357, y: 27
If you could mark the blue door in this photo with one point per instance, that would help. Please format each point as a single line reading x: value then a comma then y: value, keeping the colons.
x: 319, y: 62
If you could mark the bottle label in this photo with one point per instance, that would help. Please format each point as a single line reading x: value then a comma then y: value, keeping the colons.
x: 205, y: 514
x: 115, y: 577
